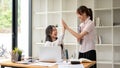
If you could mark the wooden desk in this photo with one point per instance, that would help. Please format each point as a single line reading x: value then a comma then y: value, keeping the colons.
x: 10, y: 64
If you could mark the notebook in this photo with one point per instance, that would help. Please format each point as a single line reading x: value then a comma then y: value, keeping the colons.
x: 50, y: 54
x: 83, y: 60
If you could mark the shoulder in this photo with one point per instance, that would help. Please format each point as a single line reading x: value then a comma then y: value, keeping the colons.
x: 90, y: 23
x: 48, y: 43
x: 89, y: 26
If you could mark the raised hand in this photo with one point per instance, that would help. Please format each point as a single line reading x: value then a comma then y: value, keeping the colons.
x: 64, y: 24
x: 63, y: 27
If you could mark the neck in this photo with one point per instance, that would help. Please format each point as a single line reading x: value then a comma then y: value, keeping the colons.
x: 53, y: 39
x: 85, y: 18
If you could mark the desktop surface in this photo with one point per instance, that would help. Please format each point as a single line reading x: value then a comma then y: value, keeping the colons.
x: 11, y: 64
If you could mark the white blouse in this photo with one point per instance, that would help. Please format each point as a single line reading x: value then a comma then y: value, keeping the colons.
x: 58, y: 42
x: 88, y: 41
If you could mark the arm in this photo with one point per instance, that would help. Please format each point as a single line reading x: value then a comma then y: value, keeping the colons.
x: 79, y: 36
x: 61, y: 37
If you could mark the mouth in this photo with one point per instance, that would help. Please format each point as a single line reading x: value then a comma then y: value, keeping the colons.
x: 55, y: 34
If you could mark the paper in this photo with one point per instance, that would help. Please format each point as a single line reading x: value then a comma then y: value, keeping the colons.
x: 81, y: 60
x: 3, y: 60
x: 71, y: 66
x: 43, y: 64
x: 84, y: 60
x: 23, y: 62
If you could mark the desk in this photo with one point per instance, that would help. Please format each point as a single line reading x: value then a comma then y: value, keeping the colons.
x: 10, y: 64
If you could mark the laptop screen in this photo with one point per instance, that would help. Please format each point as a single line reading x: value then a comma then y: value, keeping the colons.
x: 50, y: 53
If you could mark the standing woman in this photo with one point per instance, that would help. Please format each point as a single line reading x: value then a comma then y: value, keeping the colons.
x: 86, y: 37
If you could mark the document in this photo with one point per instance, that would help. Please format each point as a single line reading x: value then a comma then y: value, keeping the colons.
x: 84, y: 60
x: 71, y: 66
x: 43, y: 64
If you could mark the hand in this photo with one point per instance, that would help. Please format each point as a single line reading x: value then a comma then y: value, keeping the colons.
x: 63, y: 29
x: 64, y: 24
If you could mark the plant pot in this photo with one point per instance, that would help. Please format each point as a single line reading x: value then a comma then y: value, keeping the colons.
x: 19, y: 57
x: 14, y: 57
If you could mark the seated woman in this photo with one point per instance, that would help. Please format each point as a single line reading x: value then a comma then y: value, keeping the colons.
x: 52, y: 39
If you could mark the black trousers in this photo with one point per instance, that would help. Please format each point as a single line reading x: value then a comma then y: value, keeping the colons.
x: 89, y: 55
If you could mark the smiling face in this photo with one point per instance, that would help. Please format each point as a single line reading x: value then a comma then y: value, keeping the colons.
x: 82, y: 17
x: 83, y: 13
x: 54, y: 33
x: 51, y: 33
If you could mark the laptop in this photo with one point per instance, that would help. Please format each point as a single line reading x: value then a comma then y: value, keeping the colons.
x: 50, y: 54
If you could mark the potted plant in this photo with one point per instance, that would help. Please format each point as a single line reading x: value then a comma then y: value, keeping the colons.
x: 16, y: 55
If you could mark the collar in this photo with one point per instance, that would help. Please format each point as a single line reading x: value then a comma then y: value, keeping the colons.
x: 86, y: 21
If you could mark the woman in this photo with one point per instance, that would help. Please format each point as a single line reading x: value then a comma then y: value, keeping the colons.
x: 86, y: 37
x: 52, y: 39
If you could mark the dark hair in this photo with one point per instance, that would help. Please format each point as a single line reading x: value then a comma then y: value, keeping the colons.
x: 84, y: 9
x: 48, y: 32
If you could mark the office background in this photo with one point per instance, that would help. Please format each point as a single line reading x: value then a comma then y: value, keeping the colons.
x: 106, y: 18
x: 36, y: 15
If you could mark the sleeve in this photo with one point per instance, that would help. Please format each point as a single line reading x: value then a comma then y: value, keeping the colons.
x: 60, y: 38
x: 89, y: 27
x: 47, y: 43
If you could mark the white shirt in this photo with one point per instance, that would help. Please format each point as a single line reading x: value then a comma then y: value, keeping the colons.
x: 58, y: 42
x: 88, y: 42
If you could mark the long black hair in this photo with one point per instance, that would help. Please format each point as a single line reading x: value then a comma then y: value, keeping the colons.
x: 48, y: 32
x: 84, y: 9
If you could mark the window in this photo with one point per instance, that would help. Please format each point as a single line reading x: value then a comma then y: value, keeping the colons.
x: 5, y: 27
x: 23, y: 25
